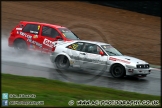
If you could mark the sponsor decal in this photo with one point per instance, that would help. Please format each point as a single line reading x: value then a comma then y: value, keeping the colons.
x: 35, y: 32
x: 86, y: 59
x: 18, y: 28
x: 35, y: 36
x: 48, y: 43
x: 34, y: 42
x: 65, y: 30
x: 115, y: 59
x: 29, y: 39
x: 107, y: 46
x: 25, y: 35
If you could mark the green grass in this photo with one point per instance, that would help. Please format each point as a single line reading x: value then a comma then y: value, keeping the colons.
x: 155, y: 66
x: 57, y: 93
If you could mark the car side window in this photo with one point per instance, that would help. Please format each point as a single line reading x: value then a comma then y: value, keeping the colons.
x: 49, y: 32
x: 76, y: 46
x: 91, y: 48
x: 31, y: 28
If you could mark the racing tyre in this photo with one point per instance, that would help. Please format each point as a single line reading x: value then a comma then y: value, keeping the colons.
x: 62, y: 62
x: 20, y: 46
x: 117, y: 71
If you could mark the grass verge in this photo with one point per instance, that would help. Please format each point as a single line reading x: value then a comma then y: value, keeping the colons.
x: 57, y: 93
x: 155, y: 66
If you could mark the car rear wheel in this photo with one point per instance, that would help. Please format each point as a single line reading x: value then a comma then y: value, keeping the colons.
x: 62, y: 62
x: 117, y: 71
x: 20, y: 45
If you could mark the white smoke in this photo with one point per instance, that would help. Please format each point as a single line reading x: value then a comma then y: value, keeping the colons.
x: 32, y: 58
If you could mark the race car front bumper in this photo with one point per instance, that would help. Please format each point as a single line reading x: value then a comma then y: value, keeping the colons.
x: 138, y: 72
x: 53, y: 56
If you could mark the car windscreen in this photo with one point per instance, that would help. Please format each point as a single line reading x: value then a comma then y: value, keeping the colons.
x: 111, y: 50
x: 68, y: 34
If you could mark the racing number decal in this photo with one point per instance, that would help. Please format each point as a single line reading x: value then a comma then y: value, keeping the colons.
x: 38, y: 27
x: 63, y: 34
x: 74, y: 46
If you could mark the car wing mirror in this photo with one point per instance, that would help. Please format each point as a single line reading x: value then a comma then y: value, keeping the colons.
x: 101, y: 53
x: 58, y: 38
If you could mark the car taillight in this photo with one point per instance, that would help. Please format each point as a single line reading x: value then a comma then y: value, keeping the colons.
x: 11, y: 34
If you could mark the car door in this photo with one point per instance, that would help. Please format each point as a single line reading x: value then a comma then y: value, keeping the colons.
x: 49, y: 35
x: 91, y: 57
x: 73, y: 50
x: 32, y: 34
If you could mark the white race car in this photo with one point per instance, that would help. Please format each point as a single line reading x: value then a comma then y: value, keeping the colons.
x: 97, y: 56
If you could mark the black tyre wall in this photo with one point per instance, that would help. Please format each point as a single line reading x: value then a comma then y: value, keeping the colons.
x: 152, y: 7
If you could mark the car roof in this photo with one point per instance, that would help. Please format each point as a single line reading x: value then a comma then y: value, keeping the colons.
x: 92, y: 42
x: 47, y: 24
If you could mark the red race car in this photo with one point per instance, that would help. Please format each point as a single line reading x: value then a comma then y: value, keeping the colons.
x: 38, y: 36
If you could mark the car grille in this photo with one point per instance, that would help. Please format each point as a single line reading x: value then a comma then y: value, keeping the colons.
x: 143, y: 66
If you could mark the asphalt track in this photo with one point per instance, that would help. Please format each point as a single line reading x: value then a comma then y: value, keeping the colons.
x: 32, y: 64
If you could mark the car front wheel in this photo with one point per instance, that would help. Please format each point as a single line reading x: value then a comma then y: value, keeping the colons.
x: 62, y: 62
x: 117, y: 71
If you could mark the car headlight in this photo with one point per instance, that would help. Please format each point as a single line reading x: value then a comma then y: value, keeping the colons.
x: 130, y: 66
